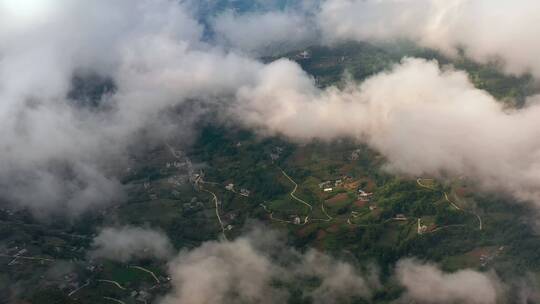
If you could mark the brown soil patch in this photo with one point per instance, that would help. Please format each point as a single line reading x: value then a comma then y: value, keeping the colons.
x: 334, y: 228
x: 461, y: 192
x: 352, y: 185
x: 361, y: 204
x: 478, y: 252
x: 370, y: 186
x: 321, y: 234
x: 338, y: 198
x: 306, y: 230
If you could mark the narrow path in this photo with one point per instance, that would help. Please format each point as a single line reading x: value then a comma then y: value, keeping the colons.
x: 357, y: 225
x: 173, y: 151
x: 147, y: 271
x: 444, y: 227
x: 113, y: 283
x: 294, y: 191
x: 329, y: 218
x: 419, y: 182
x: 16, y: 257
x: 48, y: 229
x: 81, y: 287
x: 480, y: 224
x: 452, y: 203
x: 114, y: 300
x: 280, y: 220
x: 214, y: 196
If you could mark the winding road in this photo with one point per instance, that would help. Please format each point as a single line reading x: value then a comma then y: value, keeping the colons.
x: 329, y: 218
x: 147, y: 271
x: 113, y: 283
x: 419, y: 182
x: 114, y: 300
x: 294, y: 191
x: 214, y: 196
x: 480, y: 224
x: 81, y: 287
x: 452, y: 203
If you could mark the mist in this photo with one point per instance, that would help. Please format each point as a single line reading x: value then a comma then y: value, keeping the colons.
x: 426, y: 283
x: 126, y: 243
x: 264, y: 34
x: 425, y: 119
x: 247, y: 269
x: 61, y: 158
x: 485, y: 30
x: 65, y: 154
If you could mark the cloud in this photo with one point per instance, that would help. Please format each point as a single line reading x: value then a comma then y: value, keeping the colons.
x: 60, y: 158
x: 340, y: 281
x: 425, y: 120
x: 126, y: 243
x: 264, y: 33
x: 484, y: 29
x: 257, y: 267
x: 247, y: 269
x: 426, y: 283
x: 222, y: 273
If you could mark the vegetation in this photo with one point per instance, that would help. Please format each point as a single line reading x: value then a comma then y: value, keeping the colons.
x: 383, y: 228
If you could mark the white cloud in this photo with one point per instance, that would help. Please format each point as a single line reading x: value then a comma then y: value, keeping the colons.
x: 126, y: 243
x: 59, y: 158
x: 245, y: 270
x: 265, y: 33
x: 424, y: 120
x: 426, y: 283
x: 486, y: 29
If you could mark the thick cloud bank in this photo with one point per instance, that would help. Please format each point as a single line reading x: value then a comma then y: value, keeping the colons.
x: 247, y: 269
x: 484, y: 29
x: 265, y: 33
x: 60, y: 157
x: 254, y: 268
x: 126, y: 243
x: 426, y: 283
x: 425, y: 120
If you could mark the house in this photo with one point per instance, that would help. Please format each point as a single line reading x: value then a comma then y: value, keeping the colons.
x: 325, y: 184
x: 244, y: 192
x: 421, y: 228
x: 143, y: 296
x: 304, y: 55
x: 355, y: 155
x: 274, y: 155
x: 364, y: 196
x: 328, y: 189
x: 230, y: 187
x: 363, y: 193
x: 400, y: 217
